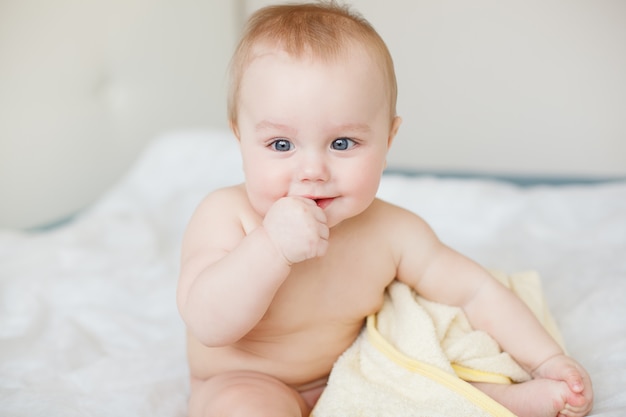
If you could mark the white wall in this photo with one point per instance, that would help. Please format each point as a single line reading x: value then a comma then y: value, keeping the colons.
x: 84, y: 85
x: 517, y: 87
x: 527, y: 87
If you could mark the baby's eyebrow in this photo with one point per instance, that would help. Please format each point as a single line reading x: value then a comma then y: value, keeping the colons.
x: 354, y: 127
x: 343, y: 127
x: 269, y: 125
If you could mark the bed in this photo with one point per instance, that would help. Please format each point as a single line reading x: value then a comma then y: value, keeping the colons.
x: 88, y: 322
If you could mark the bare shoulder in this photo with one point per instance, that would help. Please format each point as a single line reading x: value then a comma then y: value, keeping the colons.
x: 400, y: 221
x: 414, y: 242
x: 232, y: 196
x: 218, y: 219
x: 221, y: 205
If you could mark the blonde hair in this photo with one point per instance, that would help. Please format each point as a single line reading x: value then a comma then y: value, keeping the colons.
x: 324, y: 30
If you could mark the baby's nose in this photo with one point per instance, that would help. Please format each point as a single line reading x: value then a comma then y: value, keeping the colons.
x: 313, y: 167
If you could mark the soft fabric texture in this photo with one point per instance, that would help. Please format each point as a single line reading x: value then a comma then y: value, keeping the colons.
x: 413, y: 356
x: 88, y: 320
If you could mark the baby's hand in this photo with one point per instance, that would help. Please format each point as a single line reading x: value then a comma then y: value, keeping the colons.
x: 298, y: 229
x: 564, y: 368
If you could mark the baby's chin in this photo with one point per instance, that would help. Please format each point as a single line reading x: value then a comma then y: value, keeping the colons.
x: 336, y: 219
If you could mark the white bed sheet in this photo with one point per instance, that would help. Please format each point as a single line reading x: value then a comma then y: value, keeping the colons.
x: 88, y: 322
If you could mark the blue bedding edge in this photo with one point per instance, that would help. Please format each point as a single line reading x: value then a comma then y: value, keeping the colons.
x: 519, y: 180
x: 56, y: 224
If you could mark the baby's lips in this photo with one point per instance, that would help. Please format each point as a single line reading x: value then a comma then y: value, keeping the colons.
x: 323, y: 202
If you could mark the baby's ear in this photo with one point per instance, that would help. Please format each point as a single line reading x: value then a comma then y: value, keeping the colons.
x: 234, y: 129
x: 395, y: 125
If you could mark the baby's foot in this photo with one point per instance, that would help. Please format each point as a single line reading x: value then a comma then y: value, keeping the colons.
x: 537, y: 398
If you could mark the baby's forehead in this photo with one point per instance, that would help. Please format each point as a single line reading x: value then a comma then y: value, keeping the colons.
x: 345, y: 55
x: 352, y: 54
x: 305, y: 52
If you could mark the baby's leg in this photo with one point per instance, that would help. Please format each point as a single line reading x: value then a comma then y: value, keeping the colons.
x: 536, y: 398
x: 246, y: 394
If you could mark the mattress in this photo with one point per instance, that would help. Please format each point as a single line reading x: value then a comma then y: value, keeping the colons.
x: 88, y: 321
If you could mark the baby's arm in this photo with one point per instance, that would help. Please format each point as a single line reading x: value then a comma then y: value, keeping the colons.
x: 442, y: 274
x: 229, y: 278
x: 507, y: 319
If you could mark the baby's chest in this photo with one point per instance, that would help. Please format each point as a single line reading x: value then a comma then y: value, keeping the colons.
x: 344, y: 293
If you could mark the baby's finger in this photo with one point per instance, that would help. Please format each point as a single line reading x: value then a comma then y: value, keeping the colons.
x: 575, y: 382
x: 323, y: 231
x: 577, y: 379
x: 318, y: 212
x: 322, y: 247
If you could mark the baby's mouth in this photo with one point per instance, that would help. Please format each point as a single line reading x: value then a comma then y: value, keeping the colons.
x: 323, y: 202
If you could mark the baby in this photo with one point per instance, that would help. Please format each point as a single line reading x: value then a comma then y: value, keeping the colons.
x: 279, y: 273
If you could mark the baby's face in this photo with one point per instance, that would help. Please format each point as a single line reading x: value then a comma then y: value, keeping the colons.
x: 314, y: 129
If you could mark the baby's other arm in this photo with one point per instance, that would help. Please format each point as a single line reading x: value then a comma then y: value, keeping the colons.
x: 229, y: 277
x: 441, y: 274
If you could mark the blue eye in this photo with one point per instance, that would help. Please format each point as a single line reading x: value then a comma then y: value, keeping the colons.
x: 281, y: 145
x: 342, y: 144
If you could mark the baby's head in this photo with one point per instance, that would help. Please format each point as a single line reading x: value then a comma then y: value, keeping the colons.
x: 321, y: 31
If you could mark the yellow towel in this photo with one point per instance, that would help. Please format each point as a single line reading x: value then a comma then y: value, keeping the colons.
x: 414, y: 357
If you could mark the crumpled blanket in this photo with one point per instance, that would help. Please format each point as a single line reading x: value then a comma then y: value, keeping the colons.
x: 414, y: 356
